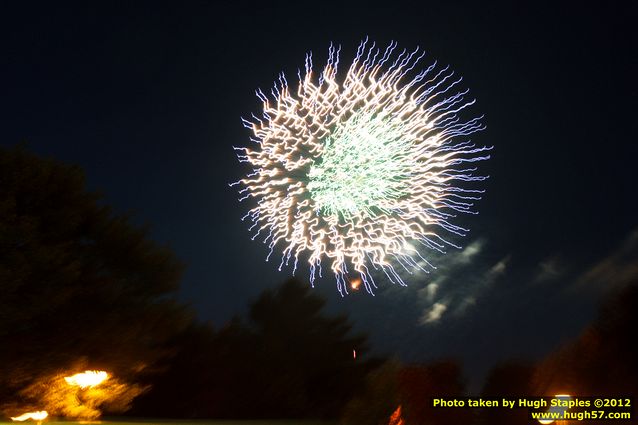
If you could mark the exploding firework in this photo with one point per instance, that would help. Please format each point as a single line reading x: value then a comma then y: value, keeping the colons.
x: 362, y: 171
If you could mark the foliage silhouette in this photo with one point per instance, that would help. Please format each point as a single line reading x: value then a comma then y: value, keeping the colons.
x: 602, y: 360
x: 411, y: 387
x: 509, y: 379
x: 288, y: 361
x: 77, y: 282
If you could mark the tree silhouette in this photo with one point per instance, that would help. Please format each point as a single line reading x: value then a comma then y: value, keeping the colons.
x: 410, y: 388
x: 419, y: 384
x: 509, y: 379
x: 602, y: 360
x: 380, y: 397
x: 312, y: 367
x: 77, y: 282
x: 289, y: 360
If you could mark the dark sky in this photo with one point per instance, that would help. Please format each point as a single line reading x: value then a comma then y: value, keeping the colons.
x: 147, y: 98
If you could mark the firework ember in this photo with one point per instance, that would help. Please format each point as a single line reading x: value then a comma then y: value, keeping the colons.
x: 362, y: 170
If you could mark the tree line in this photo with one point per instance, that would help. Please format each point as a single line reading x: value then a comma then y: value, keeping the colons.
x: 83, y: 288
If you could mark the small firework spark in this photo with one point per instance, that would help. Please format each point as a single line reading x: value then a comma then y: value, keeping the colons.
x: 362, y: 173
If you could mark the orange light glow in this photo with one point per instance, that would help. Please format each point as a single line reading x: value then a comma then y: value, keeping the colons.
x: 36, y: 416
x: 355, y: 283
x: 88, y: 379
x: 396, y: 418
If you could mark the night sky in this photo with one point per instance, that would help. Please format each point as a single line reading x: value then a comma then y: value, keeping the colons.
x: 147, y: 98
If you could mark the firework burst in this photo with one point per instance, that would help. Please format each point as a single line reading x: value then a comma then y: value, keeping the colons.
x: 362, y: 171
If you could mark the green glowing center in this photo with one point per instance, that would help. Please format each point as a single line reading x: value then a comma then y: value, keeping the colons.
x: 364, y: 163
